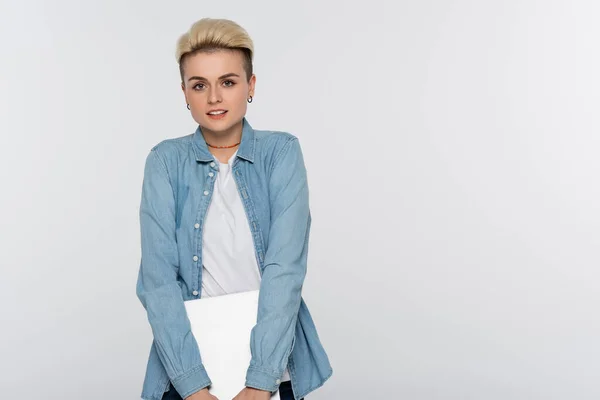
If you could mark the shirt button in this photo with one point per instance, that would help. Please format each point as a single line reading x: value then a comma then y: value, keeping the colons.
x: 196, y: 225
x: 206, y: 192
x: 212, y: 164
x: 195, y: 293
x: 211, y: 174
x: 195, y: 258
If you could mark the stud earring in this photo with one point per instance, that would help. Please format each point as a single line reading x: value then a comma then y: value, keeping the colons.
x: 250, y: 99
x: 188, y: 107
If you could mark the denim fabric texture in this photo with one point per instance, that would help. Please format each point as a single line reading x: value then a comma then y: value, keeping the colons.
x: 285, y: 393
x: 270, y: 175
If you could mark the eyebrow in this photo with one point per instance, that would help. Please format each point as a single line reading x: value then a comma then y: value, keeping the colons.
x: 200, y: 78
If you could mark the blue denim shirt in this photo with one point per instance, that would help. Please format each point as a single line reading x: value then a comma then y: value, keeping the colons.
x: 271, y: 178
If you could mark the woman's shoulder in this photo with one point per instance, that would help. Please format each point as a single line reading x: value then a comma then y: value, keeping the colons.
x: 273, y: 141
x: 273, y: 135
x: 174, y: 143
x: 172, y: 151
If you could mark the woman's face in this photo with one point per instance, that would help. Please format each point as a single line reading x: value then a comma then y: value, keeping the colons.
x: 217, y: 81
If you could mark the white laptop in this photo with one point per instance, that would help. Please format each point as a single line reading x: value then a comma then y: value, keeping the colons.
x: 222, y: 327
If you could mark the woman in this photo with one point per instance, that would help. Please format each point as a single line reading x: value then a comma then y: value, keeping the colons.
x: 224, y: 210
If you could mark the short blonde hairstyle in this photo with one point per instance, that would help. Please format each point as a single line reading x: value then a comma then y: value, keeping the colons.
x: 210, y: 35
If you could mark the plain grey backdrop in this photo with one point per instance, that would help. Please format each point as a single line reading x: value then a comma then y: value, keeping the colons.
x: 452, y: 149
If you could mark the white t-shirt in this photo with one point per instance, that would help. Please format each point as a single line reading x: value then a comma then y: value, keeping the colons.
x: 228, y: 257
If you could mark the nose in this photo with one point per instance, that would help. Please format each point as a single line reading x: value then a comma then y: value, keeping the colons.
x: 214, y: 96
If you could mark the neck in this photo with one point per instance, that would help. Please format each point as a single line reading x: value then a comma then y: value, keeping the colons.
x: 224, y: 138
x: 223, y: 155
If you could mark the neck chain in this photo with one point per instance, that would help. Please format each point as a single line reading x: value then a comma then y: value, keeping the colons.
x: 222, y: 147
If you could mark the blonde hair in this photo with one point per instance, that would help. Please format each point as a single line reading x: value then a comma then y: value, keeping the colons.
x: 210, y: 35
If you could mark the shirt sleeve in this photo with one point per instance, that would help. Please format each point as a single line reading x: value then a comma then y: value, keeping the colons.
x: 157, y: 285
x: 272, y: 337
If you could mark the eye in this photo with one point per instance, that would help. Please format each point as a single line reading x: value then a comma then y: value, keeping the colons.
x: 228, y: 81
x: 195, y: 87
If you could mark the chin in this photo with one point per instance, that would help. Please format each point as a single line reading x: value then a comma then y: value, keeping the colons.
x: 220, y: 125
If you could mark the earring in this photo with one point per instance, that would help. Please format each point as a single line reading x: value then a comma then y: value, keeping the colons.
x: 250, y: 99
x: 188, y: 107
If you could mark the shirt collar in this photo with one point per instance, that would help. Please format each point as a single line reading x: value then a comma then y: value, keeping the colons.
x: 245, y: 151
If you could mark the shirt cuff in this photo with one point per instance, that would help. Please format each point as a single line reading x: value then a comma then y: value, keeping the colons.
x: 191, y: 382
x: 262, y: 380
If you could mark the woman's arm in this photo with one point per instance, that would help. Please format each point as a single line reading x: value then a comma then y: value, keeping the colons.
x: 157, y: 286
x: 272, y: 337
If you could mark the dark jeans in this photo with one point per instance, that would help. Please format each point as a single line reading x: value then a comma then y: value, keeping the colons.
x: 285, y: 393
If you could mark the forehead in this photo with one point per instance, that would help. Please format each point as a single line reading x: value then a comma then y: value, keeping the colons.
x: 214, y: 64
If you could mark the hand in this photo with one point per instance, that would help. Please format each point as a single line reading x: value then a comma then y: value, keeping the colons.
x: 253, y: 394
x: 201, y: 395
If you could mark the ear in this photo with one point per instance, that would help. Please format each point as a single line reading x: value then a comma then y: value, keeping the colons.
x: 184, y: 94
x: 251, y: 85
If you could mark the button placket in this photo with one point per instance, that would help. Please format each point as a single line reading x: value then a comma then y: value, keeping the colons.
x: 195, y: 258
x: 197, y: 225
x: 210, y: 174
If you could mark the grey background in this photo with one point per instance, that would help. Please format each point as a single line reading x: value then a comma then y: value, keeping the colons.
x: 452, y: 150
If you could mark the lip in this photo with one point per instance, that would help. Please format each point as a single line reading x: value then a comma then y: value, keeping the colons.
x: 218, y: 116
